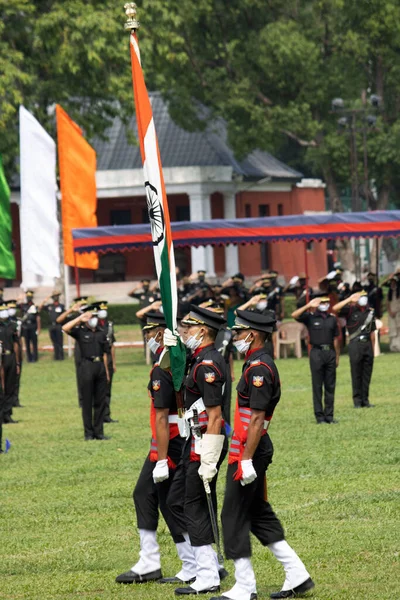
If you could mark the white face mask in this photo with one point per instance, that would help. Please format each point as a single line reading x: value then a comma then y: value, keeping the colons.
x: 242, y: 346
x: 363, y: 301
x: 323, y: 307
x: 93, y: 322
x: 12, y: 312
x: 262, y: 305
x: 3, y: 314
x: 102, y: 314
x: 153, y: 345
x: 192, y: 342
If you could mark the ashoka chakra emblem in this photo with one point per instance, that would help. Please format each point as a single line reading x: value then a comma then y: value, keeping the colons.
x: 156, y: 214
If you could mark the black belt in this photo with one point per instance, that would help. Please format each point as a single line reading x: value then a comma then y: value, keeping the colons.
x: 363, y: 339
x: 93, y: 358
x: 325, y: 347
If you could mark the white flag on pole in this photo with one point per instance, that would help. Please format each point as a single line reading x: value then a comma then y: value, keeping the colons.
x: 40, y: 247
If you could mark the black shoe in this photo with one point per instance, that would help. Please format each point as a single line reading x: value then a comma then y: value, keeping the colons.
x: 110, y: 421
x: 252, y: 597
x: 88, y: 438
x: 357, y: 406
x: 2, y: 451
x: 187, y: 591
x: 10, y: 421
x: 297, y: 591
x: 102, y: 437
x: 223, y: 573
x: 369, y: 405
x: 333, y: 422
x: 175, y: 580
x: 18, y: 405
x: 132, y: 577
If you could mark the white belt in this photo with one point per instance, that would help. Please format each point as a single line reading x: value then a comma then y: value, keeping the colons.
x: 173, y: 419
x: 198, y: 406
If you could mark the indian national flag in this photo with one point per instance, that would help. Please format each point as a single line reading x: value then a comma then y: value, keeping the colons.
x: 158, y: 208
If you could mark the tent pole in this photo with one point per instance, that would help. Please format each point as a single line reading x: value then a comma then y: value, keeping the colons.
x: 77, y: 282
x: 306, y: 272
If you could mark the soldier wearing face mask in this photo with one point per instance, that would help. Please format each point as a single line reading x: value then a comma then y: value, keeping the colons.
x: 158, y: 472
x: 54, y: 310
x: 93, y: 373
x: 9, y: 365
x: 360, y: 320
x: 108, y: 328
x: 323, y: 331
x: 30, y: 327
x: 205, y: 448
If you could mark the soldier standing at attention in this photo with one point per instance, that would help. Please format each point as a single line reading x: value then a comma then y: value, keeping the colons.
x: 30, y: 327
x: 204, y: 451
x: 9, y: 365
x: 93, y: 373
x: 158, y: 472
x: 108, y: 328
x: 12, y: 315
x: 323, y: 331
x: 245, y: 507
x: 55, y: 309
x: 360, y: 320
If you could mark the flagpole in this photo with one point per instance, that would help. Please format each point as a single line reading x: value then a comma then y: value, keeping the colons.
x: 77, y: 282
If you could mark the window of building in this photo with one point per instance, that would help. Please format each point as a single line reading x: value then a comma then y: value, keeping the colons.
x: 120, y: 217
x: 247, y: 211
x: 183, y: 213
x: 263, y: 211
x: 280, y: 210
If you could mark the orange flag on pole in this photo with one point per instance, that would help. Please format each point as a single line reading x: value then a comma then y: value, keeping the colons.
x: 77, y: 161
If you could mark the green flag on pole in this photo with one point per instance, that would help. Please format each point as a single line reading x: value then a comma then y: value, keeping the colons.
x: 7, y: 261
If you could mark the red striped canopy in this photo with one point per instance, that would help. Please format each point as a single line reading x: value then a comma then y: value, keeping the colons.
x: 220, y: 232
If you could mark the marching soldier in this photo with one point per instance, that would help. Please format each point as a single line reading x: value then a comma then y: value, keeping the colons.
x: 324, y: 335
x: 30, y: 327
x: 78, y: 306
x: 55, y: 309
x: 360, y: 320
x: 9, y: 365
x: 245, y: 507
x: 158, y: 471
x: 203, y: 400
x: 12, y: 314
x: 93, y: 374
x: 108, y: 327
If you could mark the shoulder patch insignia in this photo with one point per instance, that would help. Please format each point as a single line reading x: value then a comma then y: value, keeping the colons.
x: 209, y: 377
x: 207, y: 362
x: 156, y: 384
x: 255, y: 362
x: 258, y: 380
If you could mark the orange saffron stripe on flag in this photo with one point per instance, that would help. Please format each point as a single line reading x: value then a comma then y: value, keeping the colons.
x: 77, y: 161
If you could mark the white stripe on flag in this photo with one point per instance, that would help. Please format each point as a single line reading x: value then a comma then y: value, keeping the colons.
x: 40, y: 246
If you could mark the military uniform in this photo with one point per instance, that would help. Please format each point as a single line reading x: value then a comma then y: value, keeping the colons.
x: 54, y: 310
x: 8, y: 368
x: 360, y: 324
x: 92, y: 378
x: 223, y: 343
x: 322, y: 330
x: 29, y: 329
x: 17, y: 322
x: 246, y: 508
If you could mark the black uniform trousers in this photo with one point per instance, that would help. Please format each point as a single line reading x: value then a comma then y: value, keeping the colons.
x: 15, y: 395
x: 9, y: 362
x: 361, y: 364
x: 93, y: 386
x: 56, y: 336
x: 31, y: 343
x: 246, y: 510
x: 107, y: 412
x: 187, y: 499
x: 323, y: 375
x: 78, y: 361
x: 150, y: 497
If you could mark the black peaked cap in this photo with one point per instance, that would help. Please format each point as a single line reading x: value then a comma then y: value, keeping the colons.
x: 154, y: 319
x: 203, y: 316
x: 248, y: 319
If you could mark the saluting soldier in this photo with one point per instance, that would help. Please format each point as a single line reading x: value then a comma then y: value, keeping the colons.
x: 203, y: 401
x: 12, y: 315
x: 108, y: 327
x: 9, y: 365
x: 245, y: 507
x: 68, y: 315
x: 55, y: 309
x: 93, y: 372
x: 30, y: 327
x: 360, y: 320
x: 324, y: 335
x: 158, y: 471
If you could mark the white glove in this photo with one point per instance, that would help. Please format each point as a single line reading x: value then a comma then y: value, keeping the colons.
x: 249, y: 474
x: 211, y: 448
x: 161, y: 471
x: 170, y: 339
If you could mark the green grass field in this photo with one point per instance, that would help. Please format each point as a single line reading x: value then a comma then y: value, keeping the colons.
x: 67, y: 525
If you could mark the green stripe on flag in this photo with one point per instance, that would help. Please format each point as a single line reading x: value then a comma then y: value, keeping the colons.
x: 7, y: 261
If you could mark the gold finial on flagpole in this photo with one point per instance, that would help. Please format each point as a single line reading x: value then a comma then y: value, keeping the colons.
x: 130, y: 10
